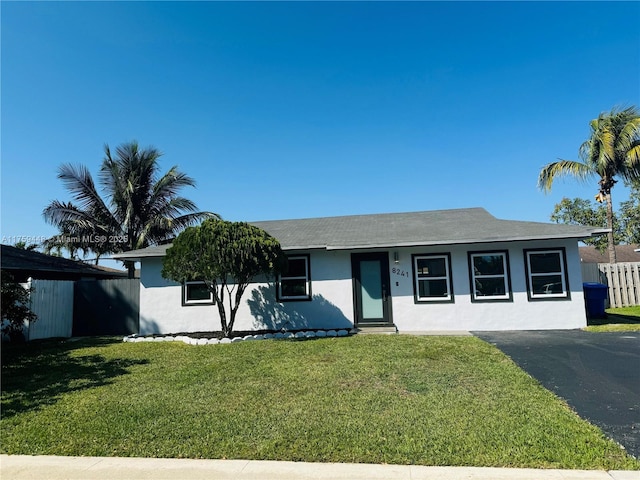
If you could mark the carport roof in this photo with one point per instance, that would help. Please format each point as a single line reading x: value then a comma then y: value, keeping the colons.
x: 38, y: 265
x: 388, y: 230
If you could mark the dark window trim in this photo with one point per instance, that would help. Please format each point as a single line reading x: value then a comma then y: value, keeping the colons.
x: 530, y: 297
x: 507, y: 272
x: 305, y: 298
x: 195, y: 303
x: 416, y: 298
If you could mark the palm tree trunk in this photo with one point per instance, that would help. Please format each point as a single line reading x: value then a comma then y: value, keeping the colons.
x: 611, y: 248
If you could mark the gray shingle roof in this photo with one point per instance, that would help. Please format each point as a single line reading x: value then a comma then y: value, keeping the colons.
x: 154, y: 251
x: 624, y: 253
x: 437, y: 227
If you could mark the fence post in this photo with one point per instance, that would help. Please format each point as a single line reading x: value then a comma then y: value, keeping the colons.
x: 634, y: 276
x: 27, y: 335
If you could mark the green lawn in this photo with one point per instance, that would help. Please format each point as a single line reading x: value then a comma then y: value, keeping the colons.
x: 624, y: 319
x: 632, y: 312
x: 374, y: 399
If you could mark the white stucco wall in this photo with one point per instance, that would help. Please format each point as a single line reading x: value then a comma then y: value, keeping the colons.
x: 161, y: 309
x: 463, y: 314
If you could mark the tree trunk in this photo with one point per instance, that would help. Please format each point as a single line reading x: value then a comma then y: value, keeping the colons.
x: 131, y: 268
x: 611, y: 248
x: 219, y: 299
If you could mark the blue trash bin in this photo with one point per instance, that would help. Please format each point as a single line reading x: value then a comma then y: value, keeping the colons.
x: 595, y: 297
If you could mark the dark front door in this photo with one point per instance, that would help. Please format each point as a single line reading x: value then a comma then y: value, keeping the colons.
x: 371, y: 288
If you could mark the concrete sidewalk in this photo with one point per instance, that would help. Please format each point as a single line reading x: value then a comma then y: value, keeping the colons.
x: 24, y: 467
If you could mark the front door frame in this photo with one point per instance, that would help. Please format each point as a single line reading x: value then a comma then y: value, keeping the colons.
x: 387, y: 316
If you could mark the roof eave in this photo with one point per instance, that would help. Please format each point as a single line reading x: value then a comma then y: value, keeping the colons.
x: 599, y: 231
x: 136, y: 257
x: 459, y: 242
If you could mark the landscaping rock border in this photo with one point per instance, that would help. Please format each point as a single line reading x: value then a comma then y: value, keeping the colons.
x: 299, y: 335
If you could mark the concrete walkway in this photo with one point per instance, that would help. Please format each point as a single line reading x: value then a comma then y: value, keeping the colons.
x: 24, y: 467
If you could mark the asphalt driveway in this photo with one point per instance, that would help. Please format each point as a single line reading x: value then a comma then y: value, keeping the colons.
x: 598, y: 374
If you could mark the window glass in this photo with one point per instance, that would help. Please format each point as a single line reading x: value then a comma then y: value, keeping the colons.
x: 489, y: 264
x: 487, y: 287
x: 293, y: 288
x: 545, y: 262
x: 297, y: 267
x: 431, y: 267
x: 198, y: 291
x: 433, y: 288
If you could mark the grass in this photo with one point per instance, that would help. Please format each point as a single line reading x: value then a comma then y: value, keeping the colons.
x: 372, y: 399
x: 624, y: 319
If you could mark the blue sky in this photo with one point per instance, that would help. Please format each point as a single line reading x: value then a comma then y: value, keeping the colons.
x: 304, y: 109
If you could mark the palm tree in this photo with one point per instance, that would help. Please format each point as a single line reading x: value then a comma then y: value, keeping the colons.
x: 613, y: 149
x: 140, y: 206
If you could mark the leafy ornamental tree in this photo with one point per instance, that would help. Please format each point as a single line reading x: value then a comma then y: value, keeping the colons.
x: 579, y: 211
x: 227, y: 256
x: 140, y: 206
x: 626, y: 221
x: 613, y: 149
x: 15, y: 310
x: 630, y: 215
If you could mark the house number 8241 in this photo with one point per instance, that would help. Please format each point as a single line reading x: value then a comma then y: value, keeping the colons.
x: 400, y: 272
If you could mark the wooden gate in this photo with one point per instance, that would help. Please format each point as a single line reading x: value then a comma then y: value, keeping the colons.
x: 106, y: 307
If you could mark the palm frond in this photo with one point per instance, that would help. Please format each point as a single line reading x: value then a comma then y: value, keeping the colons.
x: 78, y: 180
x: 60, y: 214
x: 172, y: 207
x: 167, y: 228
x: 110, y: 179
x: 562, y: 168
x: 170, y: 184
x: 633, y: 161
x: 191, y: 219
x: 629, y: 133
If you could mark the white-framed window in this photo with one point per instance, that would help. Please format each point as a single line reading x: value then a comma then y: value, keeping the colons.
x: 295, y: 283
x: 489, y: 276
x: 432, y: 278
x: 546, y: 274
x: 196, y: 293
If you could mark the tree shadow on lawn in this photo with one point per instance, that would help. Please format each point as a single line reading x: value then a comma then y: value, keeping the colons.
x: 614, y: 318
x: 38, y: 373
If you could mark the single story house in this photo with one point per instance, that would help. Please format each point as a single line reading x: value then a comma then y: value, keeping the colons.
x: 459, y: 269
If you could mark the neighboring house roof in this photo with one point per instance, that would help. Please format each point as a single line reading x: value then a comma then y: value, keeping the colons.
x: 438, y: 227
x: 28, y: 263
x: 624, y: 253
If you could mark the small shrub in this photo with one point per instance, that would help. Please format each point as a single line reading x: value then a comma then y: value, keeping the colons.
x: 15, y: 310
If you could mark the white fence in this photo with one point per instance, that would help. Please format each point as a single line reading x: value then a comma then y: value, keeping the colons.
x: 52, y: 302
x: 623, y: 280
